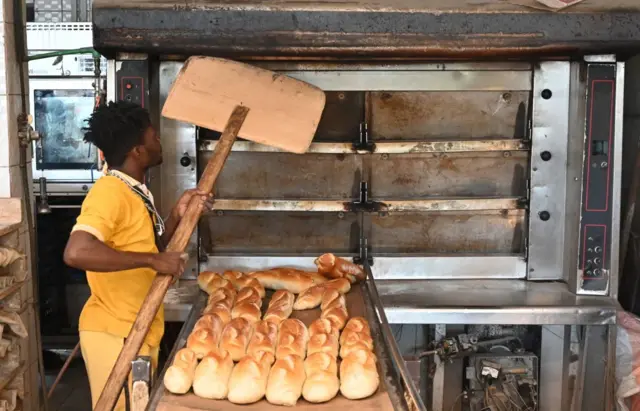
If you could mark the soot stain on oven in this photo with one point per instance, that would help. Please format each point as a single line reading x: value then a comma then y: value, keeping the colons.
x: 368, y: 207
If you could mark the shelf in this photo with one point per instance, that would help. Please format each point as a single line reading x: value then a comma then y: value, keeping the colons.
x: 8, y: 291
x: 10, y: 215
x: 389, y: 147
x: 491, y: 302
x: 339, y: 206
x: 6, y: 378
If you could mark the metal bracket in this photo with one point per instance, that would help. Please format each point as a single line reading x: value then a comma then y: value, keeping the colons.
x: 26, y: 133
x: 363, y: 143
x: 141, y: 379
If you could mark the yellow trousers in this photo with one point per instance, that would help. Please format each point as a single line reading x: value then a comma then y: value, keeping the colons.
x: 100, y: 351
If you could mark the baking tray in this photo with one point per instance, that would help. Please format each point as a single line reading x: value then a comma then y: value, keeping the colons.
x: 396, y: 390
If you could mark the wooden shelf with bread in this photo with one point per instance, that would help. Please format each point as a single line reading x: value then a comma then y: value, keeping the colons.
x: 14, y: 352
x: 282, y: 337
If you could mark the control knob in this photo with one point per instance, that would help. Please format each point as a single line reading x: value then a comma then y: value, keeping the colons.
x: 185, y: 161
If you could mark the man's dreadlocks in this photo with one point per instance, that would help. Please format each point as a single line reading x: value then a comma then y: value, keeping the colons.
x: 116, y: 128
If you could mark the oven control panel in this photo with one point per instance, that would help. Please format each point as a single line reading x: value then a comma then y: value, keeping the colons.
x: 595, y: 252
x: 132, y: 81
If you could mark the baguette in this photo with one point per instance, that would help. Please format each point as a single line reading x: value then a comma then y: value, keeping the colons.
x: 235, y: 338
x: 284, y: 279
x: 223, y: 296
x: 280, y: 307
x: 326, y: 343
x: 312, y: 296
x: 322, y: 383
x: 202, y: 341
x: 248, y: 381
x: 249, y: 295
x: 265, y: 336
x: 221, y: 310
x: 249, y: 311
x: 332, y: 298
x: 323, y: 326
x: 359, y: 375
x: 209, y: 282
x: 335, y: 267
x: 286, y: 379
x: 179, y: 376
x: 211, y: 379
x: 316, y: 277
x: 337, y: 314
x: 293, y: 338
x: 354, y: 341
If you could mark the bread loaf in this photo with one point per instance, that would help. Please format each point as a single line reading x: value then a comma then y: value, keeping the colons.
x: 293, y: 338
x: 312, y: 296
x: 211, y: 322
x: 359, y: 324
x: 295, y: 327
x: 202, y: 341
x: 220, y: 310
x: 359, y: 375
x: 249, y: 311
x: 209, y: 282
x: 265, y: 337
x: 248, y: 381
x: 321, y: 383
x: 337, y: 314
x: 316, y: 277
x: 249, y: 295
x: 179, y: 376
x: 223, y: 296
x: 286, y: 379
x: 323, y: 326
x: 233, y: 277
x: 354, y: 341
x: 326, y: 343
x: 332, y: 298
x: 211, y: 379
x: 235, y: 338
x: 280, y: 307
x: 335, y: 267
x: 248, y: 281
x: 283, y: 279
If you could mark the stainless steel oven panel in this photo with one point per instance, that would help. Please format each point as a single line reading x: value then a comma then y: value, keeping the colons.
x: 61, y: 174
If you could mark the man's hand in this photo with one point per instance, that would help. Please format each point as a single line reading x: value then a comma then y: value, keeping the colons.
x: 182, y: 204
x: 170, y: 263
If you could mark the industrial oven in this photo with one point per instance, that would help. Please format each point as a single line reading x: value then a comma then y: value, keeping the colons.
x: 469, y: 154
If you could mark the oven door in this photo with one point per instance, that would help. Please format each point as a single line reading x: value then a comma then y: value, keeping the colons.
x: 60, y: 108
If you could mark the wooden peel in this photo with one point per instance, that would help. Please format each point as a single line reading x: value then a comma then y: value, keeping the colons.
x: 214, y: 93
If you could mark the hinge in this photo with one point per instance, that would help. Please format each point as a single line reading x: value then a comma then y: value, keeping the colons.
x: 363, y: 252
x: 529, y: 131
x: 363, y: 143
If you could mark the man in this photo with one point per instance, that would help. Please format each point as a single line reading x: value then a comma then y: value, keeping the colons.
x: 117, y: 239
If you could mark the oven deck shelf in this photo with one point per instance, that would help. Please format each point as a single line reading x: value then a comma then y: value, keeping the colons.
x: 469, y: 302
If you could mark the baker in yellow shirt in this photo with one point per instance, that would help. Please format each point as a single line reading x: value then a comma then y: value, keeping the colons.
x: 119, y: 239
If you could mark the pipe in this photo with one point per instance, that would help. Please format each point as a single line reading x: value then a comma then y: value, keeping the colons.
x: 84, y: 50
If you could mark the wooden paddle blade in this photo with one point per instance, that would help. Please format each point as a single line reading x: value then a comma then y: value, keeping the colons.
x: 284, y: 112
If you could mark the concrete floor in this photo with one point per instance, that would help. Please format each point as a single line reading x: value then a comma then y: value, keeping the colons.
x: 72, y: 393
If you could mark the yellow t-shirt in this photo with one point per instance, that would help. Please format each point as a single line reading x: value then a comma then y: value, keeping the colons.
x: 114, y: 214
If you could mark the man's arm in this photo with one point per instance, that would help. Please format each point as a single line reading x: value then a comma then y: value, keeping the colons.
x: 85, y: 252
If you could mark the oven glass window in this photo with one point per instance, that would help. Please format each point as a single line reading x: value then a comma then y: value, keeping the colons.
x: 59, y: 118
